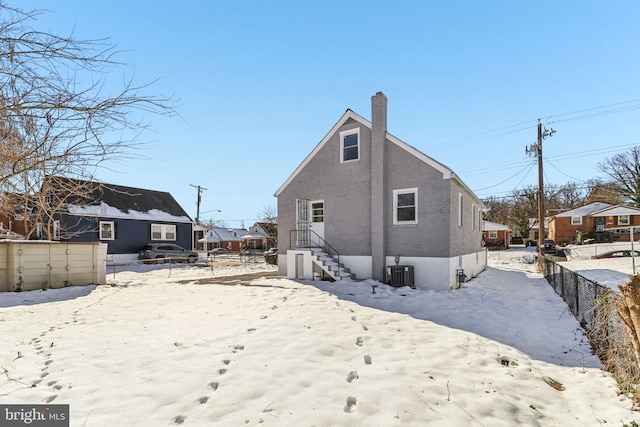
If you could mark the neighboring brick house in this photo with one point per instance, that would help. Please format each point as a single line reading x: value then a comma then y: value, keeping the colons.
x: 616, y: 222
x: 606, y: 222
x: 366, y: 205
x: 495, y: 235
x: 228, y: 238
x: 262, y: 235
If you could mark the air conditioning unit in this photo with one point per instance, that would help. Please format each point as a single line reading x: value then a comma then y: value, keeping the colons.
x: 400, y: 275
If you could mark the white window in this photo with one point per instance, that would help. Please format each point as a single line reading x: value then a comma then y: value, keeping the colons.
x: 623, y: 219
x: 107, y: 230
x: 56, y: 229
x: 317, y: 212
x: 460, y: 211
x: 576, y: 220
x: 350, y: 145
x: 163, y: 232
x: 493, y: 234
x: 405, y: 206
x: 473, y: 214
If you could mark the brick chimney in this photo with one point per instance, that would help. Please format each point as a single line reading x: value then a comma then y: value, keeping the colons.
x: 378, y: 138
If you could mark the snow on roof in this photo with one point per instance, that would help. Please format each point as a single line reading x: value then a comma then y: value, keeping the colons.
x: 217, y: 234
x: 585, y: 210
x: 488, y: 225
x: 617, y: 211
x: 104, y: 210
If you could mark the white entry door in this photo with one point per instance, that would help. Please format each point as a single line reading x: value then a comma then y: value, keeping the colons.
x: 309, y: 223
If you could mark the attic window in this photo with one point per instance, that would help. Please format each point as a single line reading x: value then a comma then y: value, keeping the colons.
x: 350, y: 145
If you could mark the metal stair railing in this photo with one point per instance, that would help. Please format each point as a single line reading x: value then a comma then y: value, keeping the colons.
x: 311, y: 239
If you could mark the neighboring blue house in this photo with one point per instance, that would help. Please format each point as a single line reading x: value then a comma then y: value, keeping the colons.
x: 126, y: 218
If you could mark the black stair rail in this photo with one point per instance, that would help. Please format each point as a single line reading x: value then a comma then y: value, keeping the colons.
x: 311, y: 239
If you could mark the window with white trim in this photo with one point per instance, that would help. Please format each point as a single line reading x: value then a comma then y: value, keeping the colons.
x: 460, y: 211
x: 576, y: 220
x: 623, y: 220
x: 163, y: 232
x: 56, y: 229
x: 405, y: 206
x: 317, y: 211
x: 107, y: 230
x: 350, y: 145
x: 473, y: 214
x: 493, y: 234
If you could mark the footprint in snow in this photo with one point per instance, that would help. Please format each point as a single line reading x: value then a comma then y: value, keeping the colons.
x: 367, y: 360
x: 351, y: 405
x: 360, y: 341
x: 353, y: 375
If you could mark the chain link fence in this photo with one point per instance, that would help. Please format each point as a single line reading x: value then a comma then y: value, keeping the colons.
x: 595, y: 307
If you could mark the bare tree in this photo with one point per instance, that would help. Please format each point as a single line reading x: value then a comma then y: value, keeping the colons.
x: 269, y: 214
x: 624, y: 170
x: 606, y: 192
x: 57, y: 117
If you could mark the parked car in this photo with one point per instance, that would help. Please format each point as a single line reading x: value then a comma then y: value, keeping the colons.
x: 271, y: 256
x: 159, y: 252
x: 617, y: 254
x: 218, y: 251
x: 549, y: 244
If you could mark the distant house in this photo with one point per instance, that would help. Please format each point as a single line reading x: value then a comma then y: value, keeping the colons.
x: 364, y: 204
x: 15, y: 220
x: 126, y: 218
x: 534, y: 230
x: 228, y: 238
x: 604, y: 221
x: 495, y: 234
x: 198, y: 236
x: 262, y: 235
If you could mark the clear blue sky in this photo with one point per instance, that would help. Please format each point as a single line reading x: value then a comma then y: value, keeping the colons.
x: 260, y: 83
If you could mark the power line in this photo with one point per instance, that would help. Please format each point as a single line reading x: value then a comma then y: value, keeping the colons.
x: 623, y: 106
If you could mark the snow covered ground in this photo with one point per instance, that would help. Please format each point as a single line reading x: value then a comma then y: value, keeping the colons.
x: 200, y: 346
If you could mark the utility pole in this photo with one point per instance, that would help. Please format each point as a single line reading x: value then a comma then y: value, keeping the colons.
x: 536, y: 150
x: 200, y: 190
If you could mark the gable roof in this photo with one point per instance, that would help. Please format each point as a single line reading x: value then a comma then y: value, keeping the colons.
x: 617, y: 211
x: 585, y: 210
x: 269, y: 228
x: 119, y: 201
x: 490, y: 226
x: 349, y: 117
x: 218, y: 234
